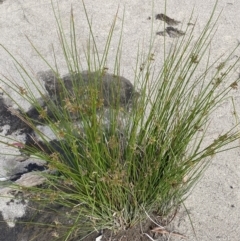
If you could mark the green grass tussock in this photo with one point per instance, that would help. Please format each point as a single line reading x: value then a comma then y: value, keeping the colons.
x: 122, y: 152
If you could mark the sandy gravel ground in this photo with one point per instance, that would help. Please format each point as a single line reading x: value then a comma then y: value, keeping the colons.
x: 214, y: 205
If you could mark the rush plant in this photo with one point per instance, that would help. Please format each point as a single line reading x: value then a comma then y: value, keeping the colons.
x: 115, y: 159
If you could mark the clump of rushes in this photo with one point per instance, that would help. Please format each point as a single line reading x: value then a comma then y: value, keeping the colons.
x: 116, y: 163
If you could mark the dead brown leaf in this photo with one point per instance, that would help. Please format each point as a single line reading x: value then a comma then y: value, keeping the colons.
x: 162, y: 230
